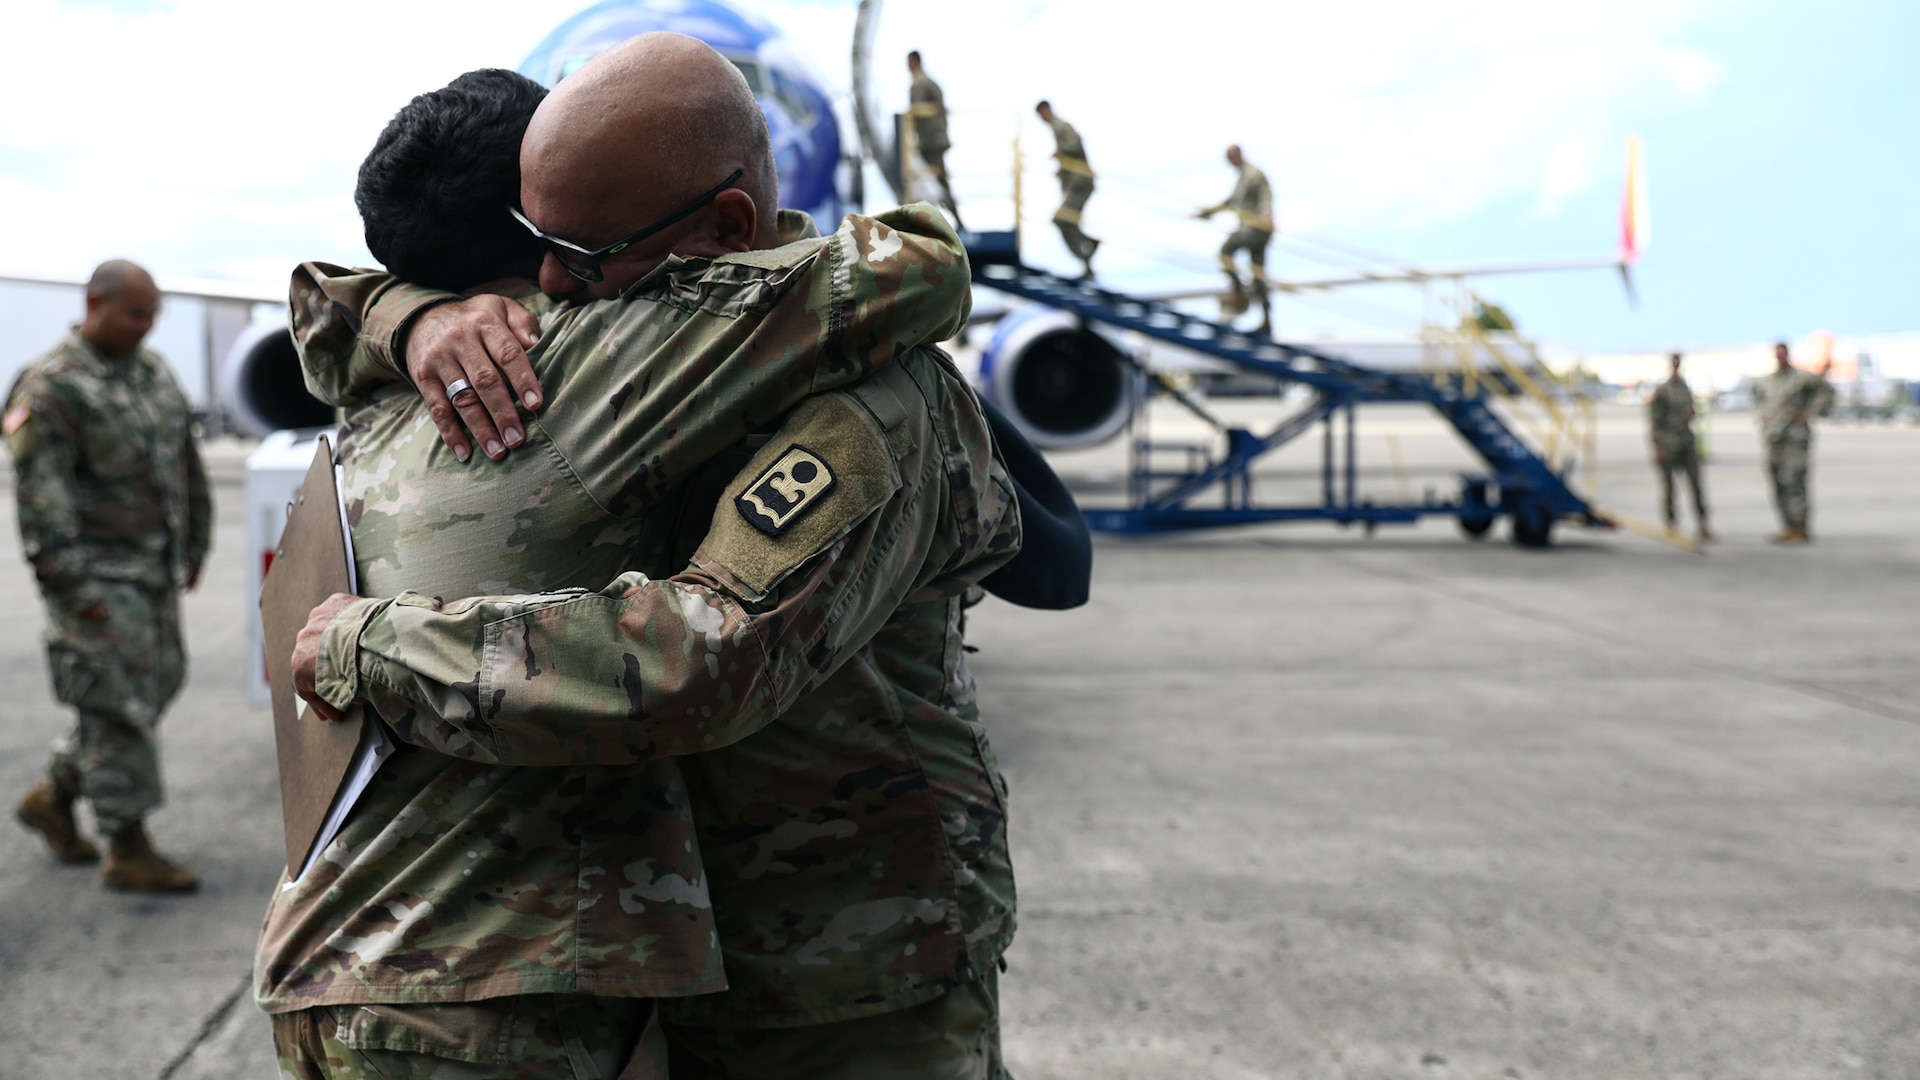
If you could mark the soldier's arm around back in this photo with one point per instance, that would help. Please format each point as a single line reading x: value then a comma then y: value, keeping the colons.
x: 865, y: 500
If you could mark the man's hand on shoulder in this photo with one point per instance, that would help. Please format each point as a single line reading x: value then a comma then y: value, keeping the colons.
x: 481, y: 341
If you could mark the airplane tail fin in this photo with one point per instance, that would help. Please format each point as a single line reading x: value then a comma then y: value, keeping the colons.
x: 1635, y: 228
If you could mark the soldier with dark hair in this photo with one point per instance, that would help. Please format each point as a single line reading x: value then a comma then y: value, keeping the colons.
x: 116, y: 519
x: 428, y: 191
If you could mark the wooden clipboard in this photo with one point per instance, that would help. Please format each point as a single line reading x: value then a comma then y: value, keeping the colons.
x: 309, y: 565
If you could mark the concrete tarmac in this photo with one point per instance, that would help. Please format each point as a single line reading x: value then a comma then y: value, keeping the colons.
x: 1287, y: 802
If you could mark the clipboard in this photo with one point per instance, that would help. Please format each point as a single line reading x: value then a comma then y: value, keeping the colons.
x: 311, y: 562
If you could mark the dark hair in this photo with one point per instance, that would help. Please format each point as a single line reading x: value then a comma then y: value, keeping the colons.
x: 1044, y: 104
x: 434, y: 192
x: 913, y: 57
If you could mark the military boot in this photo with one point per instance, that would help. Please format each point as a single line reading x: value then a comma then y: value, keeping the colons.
x: 133, y: 864
x: 48, y: 810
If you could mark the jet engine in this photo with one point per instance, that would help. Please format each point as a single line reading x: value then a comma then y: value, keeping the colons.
x: 1063, y: 384
x: 261, y: 385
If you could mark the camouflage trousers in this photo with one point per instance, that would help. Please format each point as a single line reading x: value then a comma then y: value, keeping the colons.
x: 535, y: 1037
x: 1254, y: 242
x: 1687, y: 463
x: 119, y: 673
x: 1075, y: 190
x: 956, y: 1036
x: 1787, y: 461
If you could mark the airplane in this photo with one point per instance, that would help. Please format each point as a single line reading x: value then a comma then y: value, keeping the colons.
x: 1064, y: 385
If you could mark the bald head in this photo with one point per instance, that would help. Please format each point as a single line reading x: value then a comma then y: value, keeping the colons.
x: 1234, y: 157
x: 634, y: 136
x: 122, y: 302
x: 114, y: 275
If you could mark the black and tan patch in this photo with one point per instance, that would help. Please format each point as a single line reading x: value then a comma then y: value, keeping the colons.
x: 792, y: 485
x: 831, y: 428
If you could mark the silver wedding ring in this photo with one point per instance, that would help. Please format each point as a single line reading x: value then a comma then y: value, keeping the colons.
x: 458, y: 387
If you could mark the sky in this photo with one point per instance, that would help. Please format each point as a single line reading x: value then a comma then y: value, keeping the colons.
x: 219, y: 139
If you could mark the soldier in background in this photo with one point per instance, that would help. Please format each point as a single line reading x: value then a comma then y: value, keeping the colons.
x: 115, y: 518
x: 1076, y: 186
x: 1786, y: 401
x: 1252, y: 203
x: 1670, y: 417
x: 927, y: 111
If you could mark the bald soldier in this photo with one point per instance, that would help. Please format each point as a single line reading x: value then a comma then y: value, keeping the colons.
x: 116, y: 520
x: 1251, y: 203
x: 807, y: 660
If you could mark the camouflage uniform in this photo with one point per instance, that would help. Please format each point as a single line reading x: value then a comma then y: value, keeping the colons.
x: 1076, y: 187
x: 810, y: 659
x: 113, y: 510
x: 927, y: 111
x: 1670, y: 416
x: 1252, y: 205
x: 1785, y: 401
x: 646, y: 395
x: 562, y: 1036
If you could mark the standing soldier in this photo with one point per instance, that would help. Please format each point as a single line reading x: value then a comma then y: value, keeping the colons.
x: 927, y: 109
x: 1252, y: 201
x: 115, y: 518
x: 1076, y: 185
x: 1670, y: 416
x: 1787, y: 400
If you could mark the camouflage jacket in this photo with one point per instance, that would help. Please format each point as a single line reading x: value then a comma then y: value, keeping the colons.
x: 1068, y: 150
x: 927, y: 108
x: 589, y: 877
x: 809, y: 661
x: 1784, y: 401
x: 108, y: 477
x: 1670, y: 416
x: 1251, y: 200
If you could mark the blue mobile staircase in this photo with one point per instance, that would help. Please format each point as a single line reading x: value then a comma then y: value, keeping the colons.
x: 1518, y: 484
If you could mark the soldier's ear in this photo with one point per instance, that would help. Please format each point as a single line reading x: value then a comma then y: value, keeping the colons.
x: 736, y: 220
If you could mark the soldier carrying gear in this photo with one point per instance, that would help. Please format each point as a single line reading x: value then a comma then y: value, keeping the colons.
x: 927, y: 110
x: 1252, y: 202
x: 1786, y: 401
x: 115, y: 518
x: 1076, y: 185
x: 1670, y: 420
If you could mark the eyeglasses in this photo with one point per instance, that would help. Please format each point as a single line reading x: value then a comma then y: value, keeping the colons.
x: 585, y: 264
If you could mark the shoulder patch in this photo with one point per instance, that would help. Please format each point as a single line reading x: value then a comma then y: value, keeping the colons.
x: 789, y: 488
x: 828, y: 468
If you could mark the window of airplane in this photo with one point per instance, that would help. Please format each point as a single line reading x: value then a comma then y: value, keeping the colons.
x: 751, y: 69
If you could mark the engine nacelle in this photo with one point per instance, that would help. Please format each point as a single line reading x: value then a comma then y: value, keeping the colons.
x: 1062, y: 383
x: 261, y: 385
